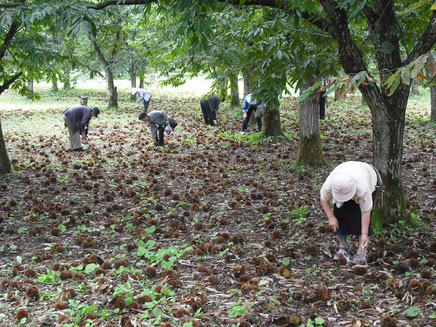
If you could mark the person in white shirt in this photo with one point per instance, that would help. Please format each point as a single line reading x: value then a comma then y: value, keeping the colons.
x: 144, y: 96
x: 351, y: 187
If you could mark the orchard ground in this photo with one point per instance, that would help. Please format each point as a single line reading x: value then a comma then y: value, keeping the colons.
x: 214, y: 229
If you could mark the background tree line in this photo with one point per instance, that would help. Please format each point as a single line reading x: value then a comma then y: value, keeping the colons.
x: 380, y: 46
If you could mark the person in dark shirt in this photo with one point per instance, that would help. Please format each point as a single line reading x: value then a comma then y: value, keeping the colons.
x: 209, y: 108
x: 76, y: 120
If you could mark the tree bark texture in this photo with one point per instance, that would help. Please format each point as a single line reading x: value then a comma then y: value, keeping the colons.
x: 30, y: 85
x: 433, y: 102
x: 54, y: 86
x: 309, y: 148
x: 112, y: 90
x: 132, y: 74
x: 5, y: 164
x: 271, y: 122
x: 248, y: 84
x: 67, y: 76
x: 234, y: 89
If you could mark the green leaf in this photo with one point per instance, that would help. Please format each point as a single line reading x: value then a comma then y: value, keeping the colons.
x: 286, y: 261
x: 90, y: 268
x: 405, y: 75
x: 358, y: 78
x: 319, y: 321
x: 412, y: 312
x: 150, y: 229
x: 419, y: 65
x: 308, y: 91
x: 414, y: 6
x: 62, y: 228
x: 433, y: 315
x: 274, y: 300
x: 92, y: 308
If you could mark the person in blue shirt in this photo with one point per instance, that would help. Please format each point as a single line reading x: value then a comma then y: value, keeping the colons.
x: 249, y: 106
x: 76, y: 120
x: 144, y: 96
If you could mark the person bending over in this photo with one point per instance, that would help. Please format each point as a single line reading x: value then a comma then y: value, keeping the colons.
x: 144, y: 96
x: 157, y: 121
x: 76, y: 120
x: 209, y: 108
x: 351, y: 187
x: 249, y: 106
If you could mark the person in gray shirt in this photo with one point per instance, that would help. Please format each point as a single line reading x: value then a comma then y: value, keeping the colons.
x: 157, y: 121
x: 76, y: 120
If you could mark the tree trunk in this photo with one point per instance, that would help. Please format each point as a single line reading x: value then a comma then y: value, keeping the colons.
x: 5, y: 164
x: 415, y: 88
x: 248, y: 84
x: 141, y: 82
x: 54, y: 85
x: 30, y: 85
x: 234, y: 89
x: 132, y: 74
x: 271, y: 120
x: 113, y: 94
x: 152, y: 75
x: 433, y: 102
x: 83, y: 100
x: 67, y: 81
x: 309, y: 148
x: 388, y: 121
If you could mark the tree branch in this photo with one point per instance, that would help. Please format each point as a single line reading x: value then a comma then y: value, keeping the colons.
x: 269, y: 3
x: 13, y: 29
x: 9, y: 82
x: 351, y: 56
x: 427, y: 41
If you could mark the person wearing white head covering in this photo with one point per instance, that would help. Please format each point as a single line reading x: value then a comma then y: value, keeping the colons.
x: 351, y: 187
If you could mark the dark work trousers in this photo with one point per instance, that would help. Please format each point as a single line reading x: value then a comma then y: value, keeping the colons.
x: 209, y: 115
x: 349, y: 217
x: 322, y: 105
x: 160, y: 132
x: 145, y: 103
x: 251, y: 109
